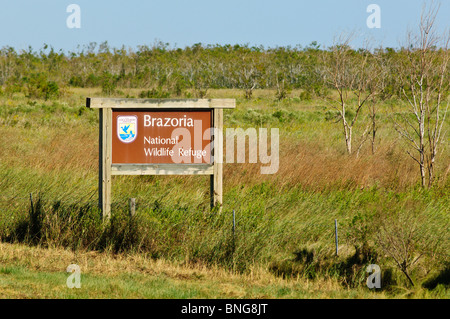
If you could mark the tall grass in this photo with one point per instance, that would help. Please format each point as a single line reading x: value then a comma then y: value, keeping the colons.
x: 283, y: 221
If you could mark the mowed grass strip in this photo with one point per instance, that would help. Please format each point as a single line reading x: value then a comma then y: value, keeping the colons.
x: 33, y: 272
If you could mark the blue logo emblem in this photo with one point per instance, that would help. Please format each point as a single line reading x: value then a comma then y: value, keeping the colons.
x: 127, y: 128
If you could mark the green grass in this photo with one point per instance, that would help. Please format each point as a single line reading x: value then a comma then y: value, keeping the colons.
x: 53, y: 285
x: 106, y: 278
x: 50, y: 149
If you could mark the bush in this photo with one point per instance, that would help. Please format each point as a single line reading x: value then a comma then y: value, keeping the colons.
x: 154, y: 94
x: 13, y: 85
x: 92, y: 80
x: 39, y: 87
x: 76, y: 81
x: 305, y: 96
x: 109, y: 83
x: 50, y: 90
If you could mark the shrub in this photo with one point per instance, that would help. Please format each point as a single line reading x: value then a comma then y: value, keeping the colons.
x: 76, y: 81
x: 109, y: 83
x: 93, y: 80
x: 154, y: 94
x: 39, y: 87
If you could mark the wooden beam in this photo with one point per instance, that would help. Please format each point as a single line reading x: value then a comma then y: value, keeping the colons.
x: 162, y: 169
x: 97, y: 103
x: 105, y: 161
x: 100, y: 159
x: 107, y: 169
x: 216, y: 178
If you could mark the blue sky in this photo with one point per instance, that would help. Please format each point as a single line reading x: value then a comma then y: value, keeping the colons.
x: 180, y: 23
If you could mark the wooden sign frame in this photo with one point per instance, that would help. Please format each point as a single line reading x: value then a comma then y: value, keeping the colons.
x: 107, y: 169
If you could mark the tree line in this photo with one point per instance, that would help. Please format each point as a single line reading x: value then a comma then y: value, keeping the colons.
x: 163, y: 69
x: 173, y: 71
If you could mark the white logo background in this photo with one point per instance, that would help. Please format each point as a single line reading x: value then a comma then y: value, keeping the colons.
x: 127, y: 128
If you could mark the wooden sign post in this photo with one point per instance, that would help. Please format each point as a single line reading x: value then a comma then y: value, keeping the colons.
x: 160, y: 137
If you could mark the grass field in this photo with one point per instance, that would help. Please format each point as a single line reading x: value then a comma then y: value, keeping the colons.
x: 31, y: 272
x: 176, y: 248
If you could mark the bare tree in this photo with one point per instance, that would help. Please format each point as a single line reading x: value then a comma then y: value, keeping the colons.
x: 352, y: 74
x: 425, y: 85
x: 383, y: 87
x: 402, y: 240
x: 7, y: 56
x: 249, y: 71
x: 373, y: 110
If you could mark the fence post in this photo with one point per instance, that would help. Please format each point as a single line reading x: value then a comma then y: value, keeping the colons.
x: 132, y: 207
x: 336, y: 236
x: 234, y: 223
x: 32, y: 206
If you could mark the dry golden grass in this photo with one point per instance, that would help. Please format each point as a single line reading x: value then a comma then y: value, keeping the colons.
x: 303, y: 163
x: 257, y: 283
x: 314, y: 163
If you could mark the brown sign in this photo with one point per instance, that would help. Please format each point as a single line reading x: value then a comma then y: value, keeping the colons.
x: 161, y: 137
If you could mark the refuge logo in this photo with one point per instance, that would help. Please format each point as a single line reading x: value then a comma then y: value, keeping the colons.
x: 127, y: 128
